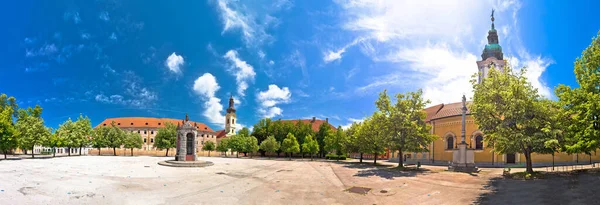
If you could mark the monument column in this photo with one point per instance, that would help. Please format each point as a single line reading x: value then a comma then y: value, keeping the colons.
x: 463, y: 158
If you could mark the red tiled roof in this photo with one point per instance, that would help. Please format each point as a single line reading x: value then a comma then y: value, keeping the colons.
x: 446, y: 110
x: 221, y: 134
x: 314, y: 124
x: 138, y: 122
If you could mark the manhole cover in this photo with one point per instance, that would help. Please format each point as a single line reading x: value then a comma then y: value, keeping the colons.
x: 359, y: 190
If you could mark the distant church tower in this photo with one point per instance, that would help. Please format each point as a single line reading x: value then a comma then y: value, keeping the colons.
x: 230, y: 118
x: 492, y: 54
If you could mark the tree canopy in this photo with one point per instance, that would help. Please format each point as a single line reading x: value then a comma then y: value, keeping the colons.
x: 290, y: 145
x: 166, y: 138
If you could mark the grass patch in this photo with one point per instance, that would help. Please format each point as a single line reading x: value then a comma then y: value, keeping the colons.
x: 526, y: 176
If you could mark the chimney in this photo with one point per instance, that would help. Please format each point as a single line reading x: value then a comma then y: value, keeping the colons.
x: 314, y: 118
x: 327, y: 120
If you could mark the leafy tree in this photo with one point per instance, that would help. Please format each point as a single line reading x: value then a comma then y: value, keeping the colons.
x: 133, y: 140
x: 9, y: 135
x: 250, y: 145
x: 115, y: 137
x: 31, y: 126
x: 99, y: 137
x: 511, y: 113
x: 236, y: 143
x: 290, y: 145
x: 324, y: 131
x: 54, y: 141
x: 22, y: 114
x: 353, y: 144
x: 336, y: 142
x: 244, y: 132
x: 222, y: 146
x: 67, y: 132
x: 270, y: 145
x: 262, y: 129
x: 405, y: 122
x: 310, y: 146
x: 209, y: 146
x: 582, y: 104
x: 372, y: 135
x: 82, y: 132
x: 166, y: 138
x: 8, y: 131
x: 302, y: 130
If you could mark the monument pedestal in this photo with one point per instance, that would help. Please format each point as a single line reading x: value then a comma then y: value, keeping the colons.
x: 463, y: 159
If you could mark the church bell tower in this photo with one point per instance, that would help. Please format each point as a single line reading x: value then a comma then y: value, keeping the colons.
x: 492, y: 54
x: 230, y: 118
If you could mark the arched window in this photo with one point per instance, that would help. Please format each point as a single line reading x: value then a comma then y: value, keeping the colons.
x: 450, y: 142
x: 479, y: 142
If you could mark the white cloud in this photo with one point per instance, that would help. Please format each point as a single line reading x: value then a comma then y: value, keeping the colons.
x: 134, y: 95
x: 433, y: 46
x: 104, y: 16
x: 174, y: 63
x: 352, y: 120
x: 243, y: 72
x: 113, y: 36
x: 85, y: 36
x: 270, y: 98
x: 206, y: 86
x: 251, y: 21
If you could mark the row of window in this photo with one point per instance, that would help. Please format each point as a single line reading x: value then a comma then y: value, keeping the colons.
x: 151, y: 140
x: 450, y: 142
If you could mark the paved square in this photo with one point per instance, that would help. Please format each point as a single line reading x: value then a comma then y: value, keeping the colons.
x: 139, y: 180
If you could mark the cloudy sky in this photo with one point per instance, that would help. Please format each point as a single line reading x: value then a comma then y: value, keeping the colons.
x: 279, y: 59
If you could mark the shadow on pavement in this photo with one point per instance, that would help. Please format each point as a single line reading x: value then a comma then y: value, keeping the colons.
x: 579, y: 187
x: 383, y: 170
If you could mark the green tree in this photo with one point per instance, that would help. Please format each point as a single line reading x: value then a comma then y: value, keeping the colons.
x: 270, y: 145
x: 54, y: 141
x: 209, y: 146
x: 290, y: 145
x: 262, y: 129
x: 511, y: 113
x: 336, y: 142
x: 67, y: 132
x: 310, y: 146
x: 372, y: 136
x: 9, y: 102
x: 404, y: 121
x: 222, y: 146
x: 302, y: 130
x: 251, y: 145
x: 31, y: 126
x: 166, y: 138
x: 352, y: 144
x: 115, y: 137
x: 22, y: 114
x: 82, y: 132
x: 582, y: 104
x: 132, y: 140
x: 236, y: 143
x: 8, y: 131
x: 99, y: 137
x: 324, y: 131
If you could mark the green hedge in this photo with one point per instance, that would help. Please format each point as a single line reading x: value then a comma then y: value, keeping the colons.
x: 335, y: 157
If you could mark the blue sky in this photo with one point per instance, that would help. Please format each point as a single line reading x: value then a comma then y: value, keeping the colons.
x: 280, y: 59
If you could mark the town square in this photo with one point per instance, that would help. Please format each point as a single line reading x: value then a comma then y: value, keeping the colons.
x: 300, y: 102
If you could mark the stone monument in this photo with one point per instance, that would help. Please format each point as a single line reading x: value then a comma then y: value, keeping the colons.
x: 463, y: 159
x: 186, y: 147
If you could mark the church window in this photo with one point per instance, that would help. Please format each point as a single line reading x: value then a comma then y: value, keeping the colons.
x: 479, y: 142
x: 232, y: 121
x: 449, y: 142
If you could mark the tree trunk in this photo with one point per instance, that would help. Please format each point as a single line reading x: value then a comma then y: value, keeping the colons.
x: 290, y: 156
x: 209, y: 153
x: 79, y: 151
x: 131, y: 151
x: 167, y: 154
x: 552, y: 161
x: 237, y: 154
x: 311, y: 157
x: 375, y: 157
x: 4, y: 154
x: 591, y: 159
x: 361, y: 157
x: 32, y: 151
x: 69, y: 151
x: 114, y: 151
x: 99, y: 151
x: 54, y: 152
x: 529, y: 164
x: 400, y: 158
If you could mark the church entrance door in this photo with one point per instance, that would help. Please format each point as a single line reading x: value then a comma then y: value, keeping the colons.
x: 510, y: 158
x: 189, y: 147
